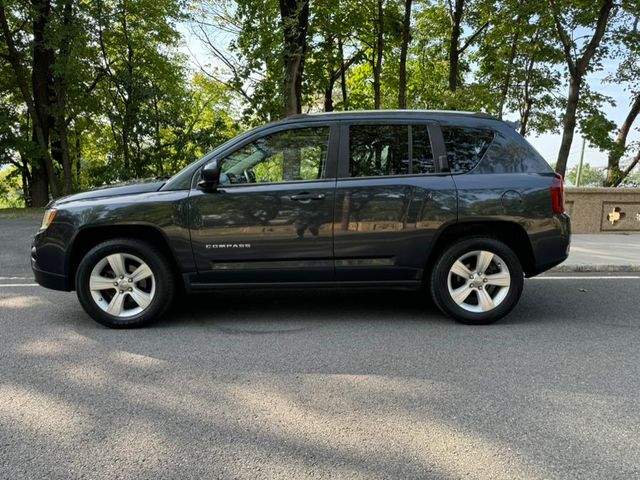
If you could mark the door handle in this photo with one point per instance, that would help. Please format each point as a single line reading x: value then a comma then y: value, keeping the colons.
x: 306, y: 196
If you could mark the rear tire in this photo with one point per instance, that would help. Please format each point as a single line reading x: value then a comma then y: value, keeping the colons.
x: 477, y: 280
x: 124, y: 283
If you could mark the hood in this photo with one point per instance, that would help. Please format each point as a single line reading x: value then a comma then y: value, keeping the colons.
x: 127, y: 188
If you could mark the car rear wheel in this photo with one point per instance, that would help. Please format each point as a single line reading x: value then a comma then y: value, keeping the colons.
x: 477, y: 280
x: 124, y: 283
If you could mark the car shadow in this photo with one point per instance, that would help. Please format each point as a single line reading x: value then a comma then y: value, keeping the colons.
x: 295, y: 310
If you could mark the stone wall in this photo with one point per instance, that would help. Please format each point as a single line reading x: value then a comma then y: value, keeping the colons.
x: 596, y: 210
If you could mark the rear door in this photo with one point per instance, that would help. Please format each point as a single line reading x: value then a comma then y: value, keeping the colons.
x: 391, y: 198
x: 271, y: 220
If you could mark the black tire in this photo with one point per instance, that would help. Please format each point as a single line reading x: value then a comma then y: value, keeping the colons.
x: 162, y: 275
x: 439, y: 281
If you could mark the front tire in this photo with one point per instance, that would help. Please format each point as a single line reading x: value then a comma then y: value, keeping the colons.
x: 124, y: 283
x: 477, y: 280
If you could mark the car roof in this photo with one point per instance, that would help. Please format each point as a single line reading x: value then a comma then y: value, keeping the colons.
x: 398, y: 114
x: 401, y: 115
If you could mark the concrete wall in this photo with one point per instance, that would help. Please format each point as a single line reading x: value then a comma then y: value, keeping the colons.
x: 595, y: 210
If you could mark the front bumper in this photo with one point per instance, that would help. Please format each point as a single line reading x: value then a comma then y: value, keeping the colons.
x: 51, y: 280
x: 54, y: 281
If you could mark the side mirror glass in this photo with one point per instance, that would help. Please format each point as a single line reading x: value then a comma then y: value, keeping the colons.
x: 210, y: 177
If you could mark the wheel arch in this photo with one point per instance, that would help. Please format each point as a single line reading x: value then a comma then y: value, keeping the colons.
x: 510, y: 233
x: 89, y: 237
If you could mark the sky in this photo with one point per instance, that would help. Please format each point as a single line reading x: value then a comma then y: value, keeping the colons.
x: 547, y: 144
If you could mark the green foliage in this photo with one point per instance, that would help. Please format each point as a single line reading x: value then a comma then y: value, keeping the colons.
x: 589, y: 177
x: 130, y: 103
x: 10, y: 188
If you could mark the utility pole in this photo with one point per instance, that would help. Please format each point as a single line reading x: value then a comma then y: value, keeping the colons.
x: 579, y: 172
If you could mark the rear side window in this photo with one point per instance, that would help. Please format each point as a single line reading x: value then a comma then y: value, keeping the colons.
x: 465, y: 146
x: 383, y: 150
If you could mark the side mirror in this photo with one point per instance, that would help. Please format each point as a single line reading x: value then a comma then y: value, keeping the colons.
x: 210, y: 177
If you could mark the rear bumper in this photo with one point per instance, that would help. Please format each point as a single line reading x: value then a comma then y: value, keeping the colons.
x: 552, y: 249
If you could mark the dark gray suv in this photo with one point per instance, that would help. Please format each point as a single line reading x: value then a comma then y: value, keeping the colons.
x: 458, y: 203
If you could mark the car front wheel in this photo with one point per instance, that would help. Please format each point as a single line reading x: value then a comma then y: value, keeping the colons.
x: 124, y: 283
x: 477, y: 280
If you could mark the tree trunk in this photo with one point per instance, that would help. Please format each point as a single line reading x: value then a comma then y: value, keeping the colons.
x: 525, y: 109
x: 627, y: 171
x: 614, y: 174
x: 26, y: 189
x: 60, y: 90
x: 504, y: 91
x: 158, y: 139
x: 402, y: 77
x: 328, y: 97
x: 40, y: 195
x: 569, y: 124
x: 78, y: 154
x: 295, y: 23
x: 126, y: 152
x: 377, y: 67
x: 343, y: 75
x: 454, y: 41
x: 339, y: 75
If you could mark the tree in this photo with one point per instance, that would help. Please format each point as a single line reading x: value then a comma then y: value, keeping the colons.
x: 402, y: 76
x: 295, y: 23
x: 36, y: 102
x: 567, y: 19
x: 332, y: 52
x: 457, y: 12
x: 628, y: 72
x: 517, y: 64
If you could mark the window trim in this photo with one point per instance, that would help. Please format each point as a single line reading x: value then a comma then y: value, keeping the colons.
x: 332, y: 153
x: 433, y: 131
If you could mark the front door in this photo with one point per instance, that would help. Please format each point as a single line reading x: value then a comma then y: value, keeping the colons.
x: 391, y: 199
x: 272, y: 217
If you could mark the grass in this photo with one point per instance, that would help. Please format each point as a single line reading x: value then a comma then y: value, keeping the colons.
x: 21, y: 213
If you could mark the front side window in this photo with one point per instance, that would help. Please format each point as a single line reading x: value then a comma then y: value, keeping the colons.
x: 290, y: 155
x: 382, y: 150
x: 465, y: 146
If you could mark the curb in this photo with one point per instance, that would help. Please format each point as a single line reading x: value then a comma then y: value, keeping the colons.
x: 596, y: 268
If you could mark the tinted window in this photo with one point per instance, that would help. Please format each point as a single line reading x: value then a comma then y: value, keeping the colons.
x: 510, y: 153
x: 465, y: 146
x: 291, y: 155
x: 377, y: 150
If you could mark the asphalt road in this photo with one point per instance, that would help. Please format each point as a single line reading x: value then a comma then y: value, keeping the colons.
x: 329, y: 384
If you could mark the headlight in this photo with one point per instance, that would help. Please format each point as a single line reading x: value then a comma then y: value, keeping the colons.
x: 49, y: 215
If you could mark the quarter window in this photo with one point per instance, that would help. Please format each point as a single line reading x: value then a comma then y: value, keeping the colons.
x: 465, y: 146
x: 291, y: 155
x: 381, y: 150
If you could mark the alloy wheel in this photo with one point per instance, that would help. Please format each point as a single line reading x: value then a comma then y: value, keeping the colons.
x: 122, y: 285
x: 479, y: 281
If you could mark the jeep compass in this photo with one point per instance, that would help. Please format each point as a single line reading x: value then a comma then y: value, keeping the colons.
x: 458, y: 205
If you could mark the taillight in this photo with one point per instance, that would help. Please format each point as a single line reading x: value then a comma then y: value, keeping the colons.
x: 557, y: 194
